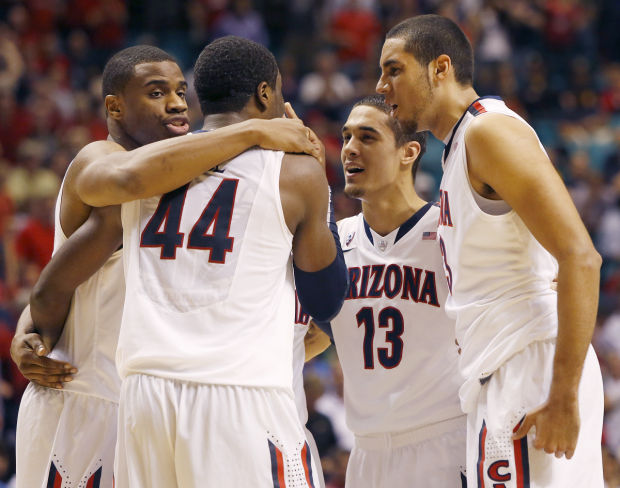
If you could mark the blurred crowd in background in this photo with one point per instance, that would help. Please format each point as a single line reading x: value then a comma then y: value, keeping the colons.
x: 555, y: 62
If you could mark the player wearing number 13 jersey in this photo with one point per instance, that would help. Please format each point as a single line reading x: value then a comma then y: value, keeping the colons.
x: 205, y: 348
x: 393, y: 338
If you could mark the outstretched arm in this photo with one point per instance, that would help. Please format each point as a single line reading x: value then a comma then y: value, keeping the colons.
x: 163, y: 166
x: 78, y: 259
x: 504, y: 153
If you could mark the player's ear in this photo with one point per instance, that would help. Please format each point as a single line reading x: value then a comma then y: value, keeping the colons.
x: 411, y: 151
x: 440, y: 67
x: 263, y: 95
x: 113, y: 106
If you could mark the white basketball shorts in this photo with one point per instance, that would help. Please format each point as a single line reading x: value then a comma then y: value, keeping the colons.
x: 65, y: 440
x: 175, y: 434
x: 520, y: 385
x: 432, y: 456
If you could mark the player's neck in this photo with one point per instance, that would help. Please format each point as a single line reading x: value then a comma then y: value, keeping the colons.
x: 386, y: 212
x: 216, y: 121
x: 450, y: 109
x: 118, y: 135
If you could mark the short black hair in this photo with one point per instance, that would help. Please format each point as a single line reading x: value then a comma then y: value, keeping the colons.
x: 121, y: 67
x: 402, y: 133
x: 429, y: 36
x: 228, y: 71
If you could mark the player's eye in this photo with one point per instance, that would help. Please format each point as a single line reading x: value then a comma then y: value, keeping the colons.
x: 181, y: 94
x: 394, y: 71
x: 156, y: 94
x: 346, y: 137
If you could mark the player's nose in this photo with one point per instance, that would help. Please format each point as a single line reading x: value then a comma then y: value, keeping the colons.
x: 382, y: 86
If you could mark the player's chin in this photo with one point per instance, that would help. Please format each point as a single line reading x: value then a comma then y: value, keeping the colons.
x: 353, y: 191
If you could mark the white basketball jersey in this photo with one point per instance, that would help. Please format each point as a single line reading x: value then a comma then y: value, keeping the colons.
x: 89, y: 337
x: 500, y: 276
x: 301, y: 327
x: 394, y: 340
x: 210, y: 291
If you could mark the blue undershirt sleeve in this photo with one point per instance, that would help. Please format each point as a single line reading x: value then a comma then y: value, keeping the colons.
x: 321, y: 293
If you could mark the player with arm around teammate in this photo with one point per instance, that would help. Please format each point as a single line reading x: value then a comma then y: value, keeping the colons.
x: 205, y: 348
x: 394, y: 340
x: 144, y: 91
x: 507, y: 228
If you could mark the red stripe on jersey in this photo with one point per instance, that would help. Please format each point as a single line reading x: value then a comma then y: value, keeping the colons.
x: 481, y: 454
x: 57, y: 480
x: 304, y: 461
x: 518, y: 463
x: 478, y: 106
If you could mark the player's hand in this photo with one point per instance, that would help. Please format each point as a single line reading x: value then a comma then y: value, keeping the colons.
x: 320, y: 155
x: 557, y: 427
x: 29, y: 353
x: 288, y: 135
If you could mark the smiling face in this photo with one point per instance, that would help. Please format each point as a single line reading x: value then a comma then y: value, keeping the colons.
x: 152, y: 104
x: 371, y: 159
x: 405, y: 84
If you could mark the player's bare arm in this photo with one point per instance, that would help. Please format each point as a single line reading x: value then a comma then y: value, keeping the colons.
x: 29, y: 354
x: 163, y: 166
x: 316, y: 341
x: 78, y: 259
x: 504, y: 155
x: 320, y: 275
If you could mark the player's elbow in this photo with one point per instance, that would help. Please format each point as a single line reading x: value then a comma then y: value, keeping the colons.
x: 583, y: 255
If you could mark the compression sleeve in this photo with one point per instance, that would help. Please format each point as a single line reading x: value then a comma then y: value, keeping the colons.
x: 321, y: 293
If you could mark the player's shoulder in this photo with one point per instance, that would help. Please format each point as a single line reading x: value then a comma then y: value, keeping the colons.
x: 91, y: 152
x: 302, y: 165
x: 303, y: 174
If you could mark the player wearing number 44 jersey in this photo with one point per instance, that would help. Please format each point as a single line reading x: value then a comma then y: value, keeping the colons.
x: 66, y: 430
x: 394, y: 340
x: 205, y: 348
x: 507, y: 225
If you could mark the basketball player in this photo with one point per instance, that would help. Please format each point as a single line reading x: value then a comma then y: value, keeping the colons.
x: 507, y: 225
x: 394, y: 340
x: 205, y: 348
x: 139, y: 81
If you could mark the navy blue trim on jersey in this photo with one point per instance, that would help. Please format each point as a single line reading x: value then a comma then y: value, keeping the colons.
x: 410, y: 223
x: 368, y: 233
x: 446, y: 150
x: 405, y: 227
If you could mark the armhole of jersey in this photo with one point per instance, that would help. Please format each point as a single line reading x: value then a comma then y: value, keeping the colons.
x: 279, y: 157
x: 58, y: 230
x: 475, y: 197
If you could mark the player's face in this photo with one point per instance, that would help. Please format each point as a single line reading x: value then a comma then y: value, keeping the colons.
x: 370, y: 159
x: 153, y: 101
x: 405, y: 84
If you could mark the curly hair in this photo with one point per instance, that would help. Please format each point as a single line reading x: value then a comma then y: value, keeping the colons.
x: 228, y: 71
